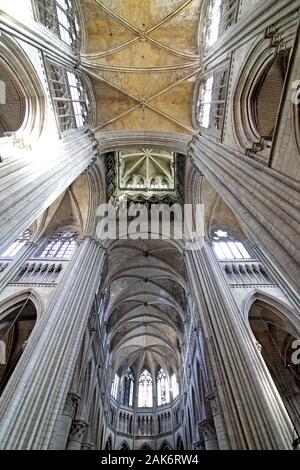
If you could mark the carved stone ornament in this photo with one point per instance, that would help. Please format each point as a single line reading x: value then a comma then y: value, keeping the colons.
x: 208, y: 429
x: 71, y: 405
x: 213, y: 403
x: 78, y: 430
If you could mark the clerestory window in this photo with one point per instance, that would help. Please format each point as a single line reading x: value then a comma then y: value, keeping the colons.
x: 212, y: 101
x: 17, y: 245
x: 227, y: 247
x: 221, y: 14
x: 61, y: 245
x: 61, y: 17
x: 70, y: 96
x: 115, y: 387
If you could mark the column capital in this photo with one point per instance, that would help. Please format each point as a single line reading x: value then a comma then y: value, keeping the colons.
x: 91, y: 164
x: 78, y: 430
x: 213, y: 403
x: 208, y: 429
x: 71, y: 404
x: 93, y: 239
x: 32, y: 244
x: 199, y: 445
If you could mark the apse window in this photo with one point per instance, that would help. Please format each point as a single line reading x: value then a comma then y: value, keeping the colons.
x: 128, y: 388
x: 163, y: 389
x: 61, y: 245
x: 174, y: 386
x: 226, y: 248
x: 60, y: 16
x: 115, y: 387
x: 70, y: 98
x: 17, y: 245
x: 145, y: 395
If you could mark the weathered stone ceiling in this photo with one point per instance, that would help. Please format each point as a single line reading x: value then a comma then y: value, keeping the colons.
x: 142, y: 56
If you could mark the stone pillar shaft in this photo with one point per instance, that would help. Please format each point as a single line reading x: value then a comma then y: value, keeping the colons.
x: 265, y: 201
x: 35, y: 397
x: 30, y: 181
x: 209, y: 435
x: 250, y: 402
x: 65, y: 421
x: 77, y: 435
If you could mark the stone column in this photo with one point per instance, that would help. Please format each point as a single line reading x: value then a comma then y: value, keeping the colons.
x: 65, y: 421
x: 254, y: 414
x: 199, y: 445
x: 43, y: 376
x: 209, y: 435
x: 31, y: 181
x: 87, y: 446
x: 263, y: 200
x: 215, y: 412
x: 77, y: 435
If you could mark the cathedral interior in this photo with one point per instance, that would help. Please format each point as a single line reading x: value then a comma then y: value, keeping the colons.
x: 143, y: 343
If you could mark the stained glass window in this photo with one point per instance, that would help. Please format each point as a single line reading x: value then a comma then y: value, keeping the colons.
x: 128, y: 388
x: 174, y: 386
x: 115, y: 387
x: 145, y: 390
x: 163, y: 389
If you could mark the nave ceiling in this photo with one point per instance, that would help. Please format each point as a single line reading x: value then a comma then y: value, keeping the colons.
x: 146, y: 303
x: 143, y: 60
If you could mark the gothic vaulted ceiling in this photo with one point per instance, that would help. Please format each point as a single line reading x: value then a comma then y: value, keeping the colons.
x: 145, y: 312
x: 143, y: 60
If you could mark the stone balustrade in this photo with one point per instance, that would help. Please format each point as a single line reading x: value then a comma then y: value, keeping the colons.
x: 243, y: 274
x: 43, y: 272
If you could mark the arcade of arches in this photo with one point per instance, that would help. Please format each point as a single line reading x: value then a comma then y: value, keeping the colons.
x: 144, y: 343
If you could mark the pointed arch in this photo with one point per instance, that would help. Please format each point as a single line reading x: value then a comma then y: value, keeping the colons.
x: 128, y: 387
x: 165, y: 446
x: 179, y: 443
x: 28, y: 83
x: 283, y: 309
x: 124, y: 446
x: 13, y: 301
x: 145, y: 392
x: 108, y: 445
x: 17, y: 323
x: 163, y: 388
x: 145, y: 447
x: 275, y: 338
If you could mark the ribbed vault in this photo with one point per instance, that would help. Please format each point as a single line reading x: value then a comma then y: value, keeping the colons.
x: 143, y: 63
x: 146, y: 306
